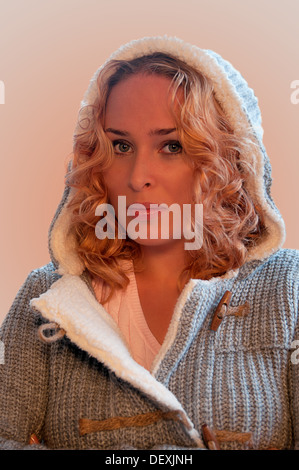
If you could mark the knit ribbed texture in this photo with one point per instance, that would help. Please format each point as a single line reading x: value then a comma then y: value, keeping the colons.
x: 239, y: 378
x: 241, y: 381
x: 24, y: 374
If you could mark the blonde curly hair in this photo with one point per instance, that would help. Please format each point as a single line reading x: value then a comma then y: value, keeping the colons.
x: 231, y: 222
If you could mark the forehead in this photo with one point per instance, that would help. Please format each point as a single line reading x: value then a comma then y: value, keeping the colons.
x: 140, y: 96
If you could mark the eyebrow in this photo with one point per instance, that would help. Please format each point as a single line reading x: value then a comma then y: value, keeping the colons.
x: 151, y: 132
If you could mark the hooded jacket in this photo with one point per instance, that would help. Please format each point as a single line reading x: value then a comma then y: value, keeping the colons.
x: 237, y: 374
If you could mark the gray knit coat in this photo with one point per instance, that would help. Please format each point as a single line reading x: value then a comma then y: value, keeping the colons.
x: 67, y: 375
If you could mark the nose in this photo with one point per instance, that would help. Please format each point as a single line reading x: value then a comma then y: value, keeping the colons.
x: 142, y: 172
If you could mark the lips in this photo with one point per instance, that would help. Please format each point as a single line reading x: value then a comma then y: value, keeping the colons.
x: 145, y: 210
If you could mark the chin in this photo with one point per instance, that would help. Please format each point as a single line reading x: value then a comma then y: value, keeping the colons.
x: 158, y: 242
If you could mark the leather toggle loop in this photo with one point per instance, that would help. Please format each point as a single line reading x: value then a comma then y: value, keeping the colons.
x: 221, y: 310
x: 209, y: 438
x: 47, y: 327
x: 87, y: 426
x: 33, y: 439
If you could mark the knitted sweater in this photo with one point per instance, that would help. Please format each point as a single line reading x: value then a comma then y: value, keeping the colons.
x: 76, y: 386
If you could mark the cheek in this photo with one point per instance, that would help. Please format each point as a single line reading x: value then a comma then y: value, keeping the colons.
x: 111, y: 179
x: 115, y: 183
x: 184, y: 184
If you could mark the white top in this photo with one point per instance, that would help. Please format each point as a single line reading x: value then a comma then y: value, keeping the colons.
x: 126, y: 310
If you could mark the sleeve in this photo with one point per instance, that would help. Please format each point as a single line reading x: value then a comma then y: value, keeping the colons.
x: 23, y: 371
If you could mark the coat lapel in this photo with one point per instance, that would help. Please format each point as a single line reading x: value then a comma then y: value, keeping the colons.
x: 71, y: 305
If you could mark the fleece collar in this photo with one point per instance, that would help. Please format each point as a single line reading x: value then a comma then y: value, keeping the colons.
x: 70, y: 304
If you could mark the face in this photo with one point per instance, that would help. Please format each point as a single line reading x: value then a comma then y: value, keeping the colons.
x: 148, y: 166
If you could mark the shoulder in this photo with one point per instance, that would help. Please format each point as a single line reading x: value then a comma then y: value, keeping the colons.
x: 282, y: 264
x: 289, y: 255
x: 280, y: 278
x: 41, y: 279
x: 37, y: 282
x: 274, y: 281
x: 285, y: 263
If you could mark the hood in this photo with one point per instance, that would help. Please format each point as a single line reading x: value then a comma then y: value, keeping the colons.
x: 241, y: 107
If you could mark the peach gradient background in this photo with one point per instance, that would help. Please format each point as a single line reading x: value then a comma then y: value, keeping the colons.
x: 51, y: 48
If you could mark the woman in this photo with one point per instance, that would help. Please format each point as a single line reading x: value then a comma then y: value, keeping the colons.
x: 146, y: 341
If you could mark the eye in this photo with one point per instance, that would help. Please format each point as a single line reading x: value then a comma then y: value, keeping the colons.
x: 173, y: 147
x: 120, y: 147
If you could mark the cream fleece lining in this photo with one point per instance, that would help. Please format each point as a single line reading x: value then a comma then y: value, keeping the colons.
x: 71, y: 305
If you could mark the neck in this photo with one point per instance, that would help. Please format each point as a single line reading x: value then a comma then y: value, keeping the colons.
x: 164, y: 263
